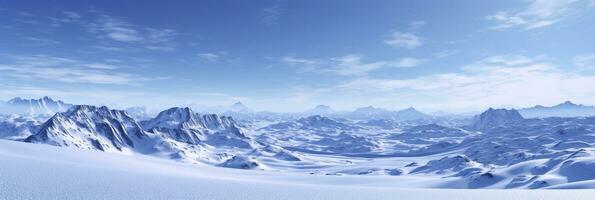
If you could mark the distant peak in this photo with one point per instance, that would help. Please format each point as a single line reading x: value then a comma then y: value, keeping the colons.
x: 238, y: 107
x: 567, y: 103
x: 88, y: 108
x: 179, y: 109
x: 15, y: 99
x: 19, y: 99
x: 367, y: 108
x: 410, y: 109
x: 321, y: 106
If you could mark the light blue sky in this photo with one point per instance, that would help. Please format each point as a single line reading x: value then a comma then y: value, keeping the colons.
x: 292, y: 55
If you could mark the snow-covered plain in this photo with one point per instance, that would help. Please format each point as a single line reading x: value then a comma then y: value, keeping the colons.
x: 36, y: 171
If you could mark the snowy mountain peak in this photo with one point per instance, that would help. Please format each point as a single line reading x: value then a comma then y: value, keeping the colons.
x: 41, y: 106
x: 568, y: 104
x: 182, y: 124
x: 323, y: 107
x: 91, y: 127
x: 184, y: 117
x: 410, y: 114
x: 496, y: 117
x: 370, y: 109
x: 238, y: 107
x: 321, y: 110
x: 411, y: 109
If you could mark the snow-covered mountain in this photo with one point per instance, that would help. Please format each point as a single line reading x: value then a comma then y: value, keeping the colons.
x: 371, y: 112
x: 495, y: 117
x: 410, y: 114
x: 176, y: 133
x: 566, y: 109
x: 17, y: 127
x: 320, y: 110
x: 42, y: 106
x: 238, y: 107
x: 91, y: 127
x: 184, y: 125
x: 498, y: 149
x: 138, y: 112
x: 314, y: 122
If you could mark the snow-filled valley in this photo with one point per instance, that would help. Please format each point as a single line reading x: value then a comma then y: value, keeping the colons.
x: 321, y: 153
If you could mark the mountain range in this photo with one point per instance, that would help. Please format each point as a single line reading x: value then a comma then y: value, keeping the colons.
x: 32, y: 107
x: 566, y: 109
x: 498, y: 148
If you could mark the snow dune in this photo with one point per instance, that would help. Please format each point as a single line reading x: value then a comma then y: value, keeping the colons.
x: 34, y: 171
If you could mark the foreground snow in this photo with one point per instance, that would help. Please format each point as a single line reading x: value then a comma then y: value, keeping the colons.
x: 33, y: 171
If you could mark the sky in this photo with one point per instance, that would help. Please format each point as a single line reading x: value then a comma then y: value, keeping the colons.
x: 289, y: 55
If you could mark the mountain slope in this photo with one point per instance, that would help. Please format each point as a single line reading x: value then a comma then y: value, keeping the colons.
x: 91, y: 127
x: 184, y: 125
x: 495, y: 117
x: 15, y: 127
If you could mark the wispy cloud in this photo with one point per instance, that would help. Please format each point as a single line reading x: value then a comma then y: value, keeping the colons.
x: 208, y: 57
x: 403, y: 40
x: 120, y: 30
x: 114, y: 33
x: 347, y: 65
x: 413, y: 26
x: 51, y: 68
x: 270, y: 15
x: 584, y: 61
x: 495, y: 80
x: 538, y: 14
x: 42, y: 41
x: 66, y: 17
x: 408, y: 39
x: 302, y: 64
x: 72, y: 15
x: 409, y: 62
x: 354, y: 65
x: 117, y: 29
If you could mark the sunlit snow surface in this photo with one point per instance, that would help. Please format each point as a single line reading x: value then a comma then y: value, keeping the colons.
x: 36, y: 171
